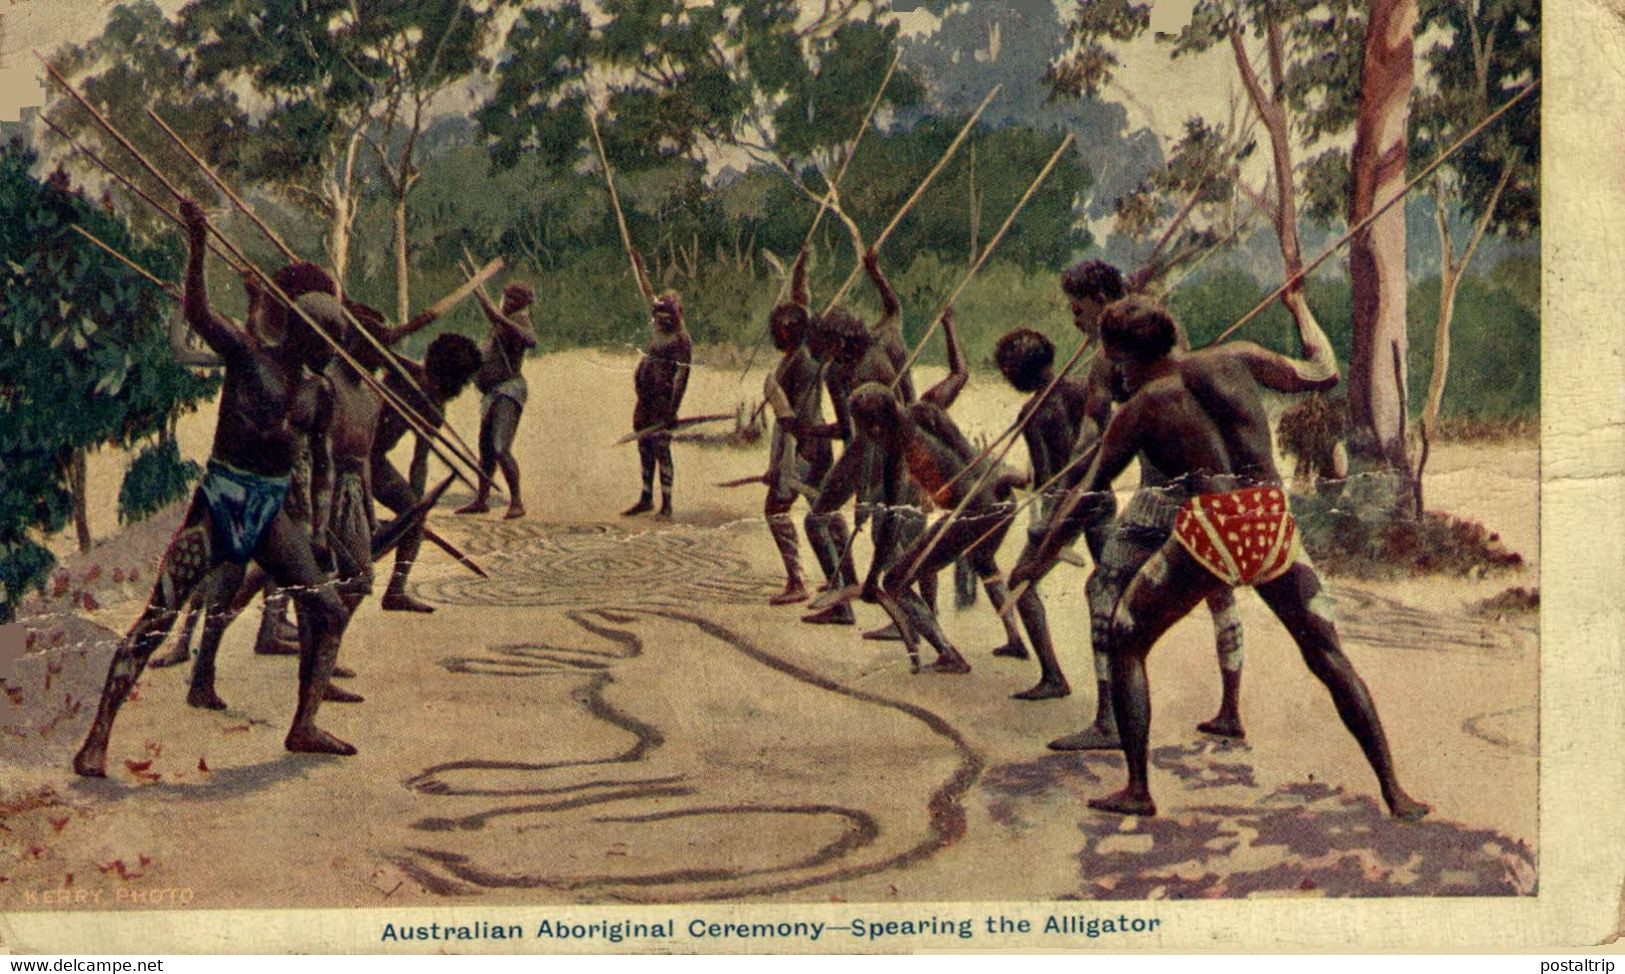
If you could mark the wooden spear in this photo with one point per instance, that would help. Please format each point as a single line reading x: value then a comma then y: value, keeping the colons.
x: 265, y: 279
x: 451, y: 439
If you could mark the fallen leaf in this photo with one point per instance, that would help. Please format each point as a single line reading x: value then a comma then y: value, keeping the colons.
x: 89, y: 602
x: 58, y: 824
x: 94, y: 573
x: 137, y: 766
x: 202, y: 765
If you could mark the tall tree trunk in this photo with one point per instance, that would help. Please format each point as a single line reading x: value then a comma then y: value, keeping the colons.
x: 1377, y: 391
x: 403, y: 285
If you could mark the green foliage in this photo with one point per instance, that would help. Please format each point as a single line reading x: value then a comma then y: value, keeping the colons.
x: 157, y: 477
x: 1495, y: 347
x: 1482, y: 52
x: 1494, y: 350
x: 682, y: 76
x: 86, y: 359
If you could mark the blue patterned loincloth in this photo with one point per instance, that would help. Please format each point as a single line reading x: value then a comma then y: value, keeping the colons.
x: 242, y: 506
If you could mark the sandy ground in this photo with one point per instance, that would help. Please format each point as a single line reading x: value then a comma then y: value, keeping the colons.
x: 619, y: 716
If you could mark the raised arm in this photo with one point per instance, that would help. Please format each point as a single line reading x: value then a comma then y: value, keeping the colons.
x: 1272, y: 370
x: 890, y: 307
x: 224, y: 338
x: 1315, y: 371
x: 945, y: 392
x: 643, y: 278
x: 181, y: 348
x: 518, y: 322
x: 392, y: 336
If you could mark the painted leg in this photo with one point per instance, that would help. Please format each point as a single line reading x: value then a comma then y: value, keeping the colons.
x: 1227, y: 639
x: 186, y: 562
x: 1303, y: 606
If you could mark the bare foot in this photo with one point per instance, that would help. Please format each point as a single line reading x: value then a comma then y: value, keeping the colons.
x: 91, y: 761
x: 343, y: 672
x: 1044, y: 690
x: 1091, y: 738
x: 335, y: 694
x: 643, y: 506
x: 276, y: 647
x: 401, y: 602
x: 473, y: 507
x: 885, y: 634
x: 1223, y: 726
x: 1407, y: 809
x: 204, y: 698
x: 180, y: 654
x: 835, y: 615
x: 793, y: 592
x: 1015, y: 650
x: 515, y: 512
x: 1125, y: 802
x: 665, y: 512
x: 955, y: 664
x: 313, y: 740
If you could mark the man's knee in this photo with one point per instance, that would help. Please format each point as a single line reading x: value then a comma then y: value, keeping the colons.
x: 321, y: 604
x: 1123, y: 634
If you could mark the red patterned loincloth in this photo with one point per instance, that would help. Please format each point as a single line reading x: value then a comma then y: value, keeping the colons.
x: 1244, y: 537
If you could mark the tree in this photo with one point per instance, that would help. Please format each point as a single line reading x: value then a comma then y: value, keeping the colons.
x: 1485, y: 50
x: 1378, y: 391
x: 682, y: 80
x: 87, y: 361
x: 1288, y: 41
x: 413, y: 51
x: 139, y: 60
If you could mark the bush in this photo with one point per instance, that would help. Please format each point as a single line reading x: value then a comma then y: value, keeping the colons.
x: 157, y: 477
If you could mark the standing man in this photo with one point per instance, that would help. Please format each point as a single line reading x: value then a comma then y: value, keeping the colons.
x: 502, y: 380
x: 660, y: 382
x: 1199, y: 417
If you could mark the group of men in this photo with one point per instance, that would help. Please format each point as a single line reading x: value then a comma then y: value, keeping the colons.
x: 303, y: 441
x: 300, y: 455
x: 1210, y: 513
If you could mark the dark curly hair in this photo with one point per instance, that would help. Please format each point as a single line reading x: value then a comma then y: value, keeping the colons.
x: 451, y: 361
x: 519, y: 291
x: 788, y: 323
x: 1139, y: 327
x: 1093, y: 280
x: 303, y: 277
x: 840, y: 334
x: 1024, y: 355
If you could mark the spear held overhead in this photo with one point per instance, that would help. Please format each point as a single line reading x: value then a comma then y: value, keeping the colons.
x: 450, y: 438
x: 914, y: 197
x: 270, y: 285
x: 981, y: 259
x: 638, y: 274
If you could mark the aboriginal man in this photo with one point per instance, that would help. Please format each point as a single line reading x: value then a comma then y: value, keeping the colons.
x: 1200, y: 418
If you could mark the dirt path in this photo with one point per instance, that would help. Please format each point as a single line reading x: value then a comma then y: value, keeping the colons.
x: 619, y: 716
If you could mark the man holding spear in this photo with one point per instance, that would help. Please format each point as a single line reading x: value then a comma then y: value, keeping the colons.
x: 236, y: 513
x: 502, y: 383
x: 1199, y: 417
